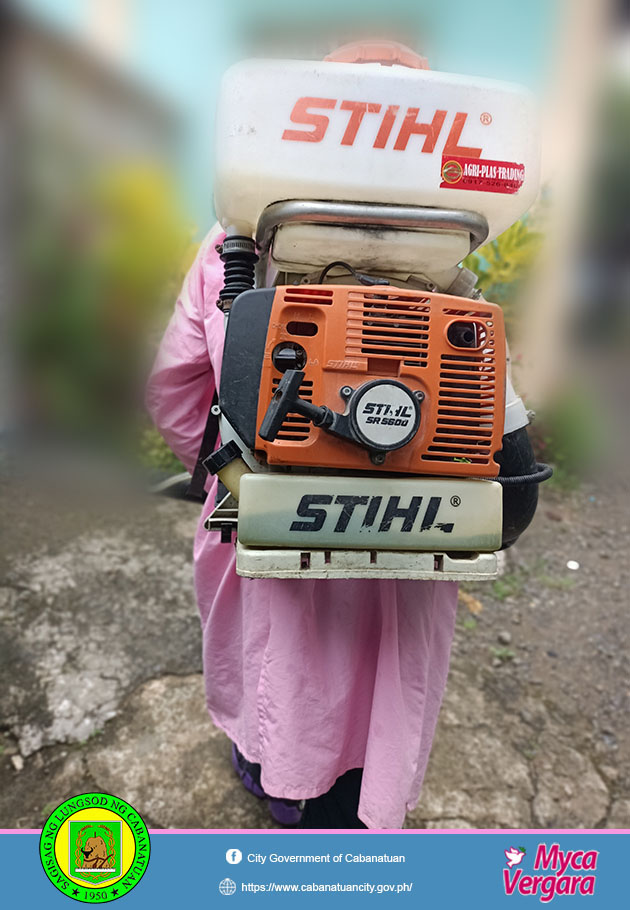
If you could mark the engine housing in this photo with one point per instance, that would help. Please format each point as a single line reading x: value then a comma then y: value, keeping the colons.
x: 449, y: 351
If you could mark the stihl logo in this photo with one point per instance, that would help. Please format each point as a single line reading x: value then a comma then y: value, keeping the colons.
x: 378, y: 513
x: 412, y: 124
x: 386, y: 415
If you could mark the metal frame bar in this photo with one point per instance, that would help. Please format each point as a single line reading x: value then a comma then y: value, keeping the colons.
x: 369, y: 215
x: 225, y: 512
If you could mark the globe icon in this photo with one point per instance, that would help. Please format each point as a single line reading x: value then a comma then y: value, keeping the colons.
x: 227, y: 886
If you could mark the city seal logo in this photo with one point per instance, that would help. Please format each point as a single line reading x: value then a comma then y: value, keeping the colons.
x: 94, y: 847
x: 96, y: 859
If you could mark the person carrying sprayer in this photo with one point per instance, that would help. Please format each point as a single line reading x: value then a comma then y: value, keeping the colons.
x: 363, y: 397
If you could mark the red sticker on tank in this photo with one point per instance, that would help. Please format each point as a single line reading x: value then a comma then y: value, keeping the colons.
x: 481, y: 174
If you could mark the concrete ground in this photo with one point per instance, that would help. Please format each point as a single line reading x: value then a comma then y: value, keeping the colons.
x: 100, y: 672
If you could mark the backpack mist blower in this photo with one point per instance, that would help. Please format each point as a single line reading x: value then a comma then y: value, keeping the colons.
x: 368, y: 421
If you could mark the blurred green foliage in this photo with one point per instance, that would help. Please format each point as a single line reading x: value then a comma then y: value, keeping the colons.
x: 101, y: 267
x: 155, y: 454
x: 567, y: 434
x: 503, y: 265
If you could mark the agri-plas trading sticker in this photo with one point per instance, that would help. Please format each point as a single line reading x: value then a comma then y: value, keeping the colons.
x: 481, y: 174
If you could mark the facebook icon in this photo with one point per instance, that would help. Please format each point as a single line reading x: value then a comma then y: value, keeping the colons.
x: 234, y: 856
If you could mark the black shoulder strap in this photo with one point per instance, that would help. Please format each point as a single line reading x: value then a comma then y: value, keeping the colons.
x: 195, y: 489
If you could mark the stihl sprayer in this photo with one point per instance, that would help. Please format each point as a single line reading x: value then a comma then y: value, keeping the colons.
x: 369, y: 424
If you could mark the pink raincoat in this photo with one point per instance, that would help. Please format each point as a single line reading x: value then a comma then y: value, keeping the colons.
x: 310, y: 678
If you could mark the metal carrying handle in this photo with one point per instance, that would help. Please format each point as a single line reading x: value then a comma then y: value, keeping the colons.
x: 369, y: 215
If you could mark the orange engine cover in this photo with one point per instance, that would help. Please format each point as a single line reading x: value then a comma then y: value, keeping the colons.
x: 354, y: 334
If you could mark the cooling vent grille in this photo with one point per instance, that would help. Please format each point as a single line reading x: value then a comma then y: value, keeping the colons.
x: 467, y: 400
x: 388, y: 327
x: 296, y: 428
x: 317, y: 295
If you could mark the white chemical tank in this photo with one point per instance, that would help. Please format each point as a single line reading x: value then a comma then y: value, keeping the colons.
x: 366, y: 132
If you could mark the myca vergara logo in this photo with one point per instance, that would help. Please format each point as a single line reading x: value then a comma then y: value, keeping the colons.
x: 94, y: 847
x: 555, y: 872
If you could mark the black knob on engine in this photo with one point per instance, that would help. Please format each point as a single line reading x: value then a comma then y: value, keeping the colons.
x: 288, y: 356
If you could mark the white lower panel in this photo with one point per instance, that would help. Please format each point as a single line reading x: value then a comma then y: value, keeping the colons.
x: 255, y: 562
x: 318, y: 512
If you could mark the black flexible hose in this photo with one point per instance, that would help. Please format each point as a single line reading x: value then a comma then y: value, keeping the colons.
x: 543, y: 472
x: 358, y: 276
x: 238, y: 254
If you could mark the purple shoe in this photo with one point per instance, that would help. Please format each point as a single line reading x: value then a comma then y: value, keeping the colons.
x: 248, y: 773
x: 286, y: 812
